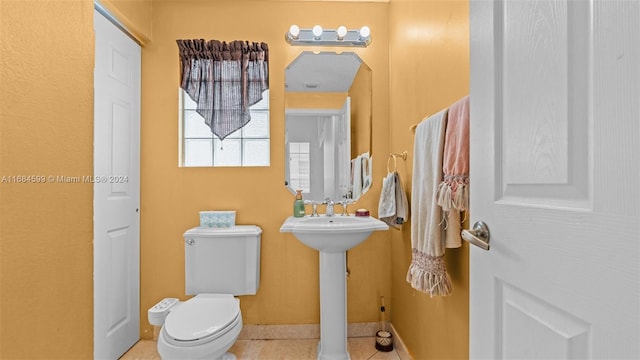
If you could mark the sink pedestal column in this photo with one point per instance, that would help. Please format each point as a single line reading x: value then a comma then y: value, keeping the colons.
x: 333, y: 306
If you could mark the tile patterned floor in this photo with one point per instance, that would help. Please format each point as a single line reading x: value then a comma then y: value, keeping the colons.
x: 362, y: 348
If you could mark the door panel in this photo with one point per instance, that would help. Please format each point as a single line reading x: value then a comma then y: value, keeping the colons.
x: 121, y: 146
x: 551, y: 333
x: 544, y: 157
x: 555, y: 114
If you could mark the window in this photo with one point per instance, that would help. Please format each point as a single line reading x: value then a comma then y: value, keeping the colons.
x: 299, y: 166
x: 248, y: 146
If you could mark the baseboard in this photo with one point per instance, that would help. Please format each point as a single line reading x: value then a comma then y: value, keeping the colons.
x: 279, y: 332
x: 398, y: 345
x: 303, y: 331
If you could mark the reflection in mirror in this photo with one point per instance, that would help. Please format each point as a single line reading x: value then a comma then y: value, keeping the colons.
x: 328, y: 126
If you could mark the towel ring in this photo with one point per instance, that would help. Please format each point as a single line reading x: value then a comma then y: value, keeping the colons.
x: 395, y: 164
x: 393, y: 156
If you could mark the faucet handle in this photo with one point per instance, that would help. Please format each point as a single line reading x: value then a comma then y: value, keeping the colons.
x: 345, y: 203
x: 314, y: 207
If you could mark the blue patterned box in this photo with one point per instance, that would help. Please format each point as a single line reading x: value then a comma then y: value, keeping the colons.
x: 217, y: 219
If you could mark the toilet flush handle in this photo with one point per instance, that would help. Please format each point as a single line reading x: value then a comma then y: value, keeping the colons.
x: 190, y: 241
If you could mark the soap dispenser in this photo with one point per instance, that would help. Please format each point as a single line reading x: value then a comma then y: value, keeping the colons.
x: 298, y: 205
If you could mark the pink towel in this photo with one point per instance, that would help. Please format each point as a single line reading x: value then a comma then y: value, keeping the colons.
x: 453, y: 192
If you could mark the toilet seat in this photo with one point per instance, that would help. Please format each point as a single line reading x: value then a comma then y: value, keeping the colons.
x: 202, y: 319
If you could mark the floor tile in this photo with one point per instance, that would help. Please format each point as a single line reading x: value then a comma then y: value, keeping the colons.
x: 142, y: 350
x: 299, y: 349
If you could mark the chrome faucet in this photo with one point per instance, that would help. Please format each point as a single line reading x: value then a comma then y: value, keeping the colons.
x: 329, y: 210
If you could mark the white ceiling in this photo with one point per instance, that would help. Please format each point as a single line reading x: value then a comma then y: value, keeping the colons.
x: 322, y: 72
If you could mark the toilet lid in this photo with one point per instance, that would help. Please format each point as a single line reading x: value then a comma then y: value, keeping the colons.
x: 199, y: 318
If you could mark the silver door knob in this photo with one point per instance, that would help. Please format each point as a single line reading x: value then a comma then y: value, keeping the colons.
x: 478, y: 236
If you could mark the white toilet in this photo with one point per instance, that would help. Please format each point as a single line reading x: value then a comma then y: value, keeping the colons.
x: 219, y: 263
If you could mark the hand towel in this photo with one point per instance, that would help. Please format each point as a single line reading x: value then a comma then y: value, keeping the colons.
x: 453, y: 192
x: 402, y: 204
x: 387, y: 202
x: 393, y: 206
x: 427, y: 272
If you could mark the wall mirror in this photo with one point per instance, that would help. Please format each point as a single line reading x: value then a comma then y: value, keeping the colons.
x: 328, y: 111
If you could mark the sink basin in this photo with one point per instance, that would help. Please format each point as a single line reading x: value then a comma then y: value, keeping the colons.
x: 332, y: 233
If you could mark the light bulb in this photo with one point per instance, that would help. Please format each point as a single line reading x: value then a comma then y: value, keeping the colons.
x: 294, y: 30
x: 317, y: 32
x: 365, y: 32
x: 342, y: 31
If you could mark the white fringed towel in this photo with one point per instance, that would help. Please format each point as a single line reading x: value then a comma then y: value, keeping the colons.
x: 427, y: 272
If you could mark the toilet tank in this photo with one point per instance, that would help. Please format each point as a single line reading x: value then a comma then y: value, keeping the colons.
x: 222, y: 260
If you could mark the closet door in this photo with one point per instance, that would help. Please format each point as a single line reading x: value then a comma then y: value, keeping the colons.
x: 116, y: 191
x: 555, y: 174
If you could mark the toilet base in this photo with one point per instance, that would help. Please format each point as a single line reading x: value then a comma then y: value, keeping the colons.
x: 227, y: 356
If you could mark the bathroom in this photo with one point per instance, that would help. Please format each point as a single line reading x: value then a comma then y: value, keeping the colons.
x: 289, y: 279
x: 428, y: 38
x: 46, y: 258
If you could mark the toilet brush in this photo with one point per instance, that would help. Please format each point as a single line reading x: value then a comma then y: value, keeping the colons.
x: 384, y: 339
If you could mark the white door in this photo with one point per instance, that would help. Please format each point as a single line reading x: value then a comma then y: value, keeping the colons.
x: 555, y: 174
x: 116, y: 190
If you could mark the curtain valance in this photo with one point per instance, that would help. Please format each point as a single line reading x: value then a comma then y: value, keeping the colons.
x: 224, y: 80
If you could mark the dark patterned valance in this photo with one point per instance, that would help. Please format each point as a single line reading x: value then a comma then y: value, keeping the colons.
x: 224, y: 79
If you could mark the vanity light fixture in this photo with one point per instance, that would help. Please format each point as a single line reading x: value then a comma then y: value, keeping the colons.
x: 329, y: 37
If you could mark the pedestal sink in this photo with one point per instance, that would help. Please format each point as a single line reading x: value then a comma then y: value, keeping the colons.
x: 332, y: 236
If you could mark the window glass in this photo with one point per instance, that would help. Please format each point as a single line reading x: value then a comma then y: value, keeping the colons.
x: 249, y: 146
x: 227, y: 152
x: 256, y: 152
x: 200, y: 152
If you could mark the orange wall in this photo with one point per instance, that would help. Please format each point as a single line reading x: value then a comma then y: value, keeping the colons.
x: 171, y: 196
x: 46, y: 112
x: 429, y: 70
x: 46, y: 128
